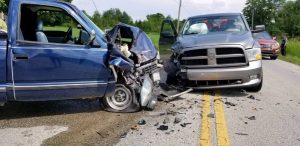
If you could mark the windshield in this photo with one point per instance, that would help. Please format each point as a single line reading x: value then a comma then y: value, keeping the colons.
x: 262, y: 35
x: 214, y: 24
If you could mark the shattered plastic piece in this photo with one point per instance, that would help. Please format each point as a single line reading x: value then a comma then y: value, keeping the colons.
x: 142, y: 122
x: 156, y: 124
x: 102, y: 134
x: 123, y: 135
x: 230, y: 103
x: 166, y: 120
x: 163, y: 127
x: 185, y: 124
x: 177, y: 120
x: 134, y: 127
x: 252, y: 118
x: 251, y: 97
x: 243, y: 91
x: 211, y: 115
x: 244, y: 134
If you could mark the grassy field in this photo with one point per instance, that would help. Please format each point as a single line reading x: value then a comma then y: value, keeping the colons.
x: 155, y: 39
x: 293, y: 51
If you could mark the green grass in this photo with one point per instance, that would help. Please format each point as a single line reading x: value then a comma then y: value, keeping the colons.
x: 75, y: 30
x: 155, y: 39
x: 293, y: 51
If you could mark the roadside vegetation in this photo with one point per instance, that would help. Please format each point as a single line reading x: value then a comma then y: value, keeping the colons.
x: 279, y: 17
x: 293, y: 51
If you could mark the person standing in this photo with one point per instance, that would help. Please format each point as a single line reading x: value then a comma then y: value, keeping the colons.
x: 283, y: 44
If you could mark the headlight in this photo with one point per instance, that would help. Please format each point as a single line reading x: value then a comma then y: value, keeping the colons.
x: 254, y: 54
x: 276, y: 45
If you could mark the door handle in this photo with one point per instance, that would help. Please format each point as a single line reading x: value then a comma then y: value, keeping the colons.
x: 20, y: 57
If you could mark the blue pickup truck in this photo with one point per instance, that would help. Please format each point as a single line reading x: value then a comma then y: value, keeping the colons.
x: 53, y: 51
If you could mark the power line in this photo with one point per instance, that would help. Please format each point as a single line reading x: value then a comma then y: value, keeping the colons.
x: 95, y: 6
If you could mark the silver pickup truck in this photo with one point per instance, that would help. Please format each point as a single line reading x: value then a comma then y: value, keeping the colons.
x: 213, y: 51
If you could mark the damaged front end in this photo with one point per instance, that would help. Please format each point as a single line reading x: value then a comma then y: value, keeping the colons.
x: 134, y: 63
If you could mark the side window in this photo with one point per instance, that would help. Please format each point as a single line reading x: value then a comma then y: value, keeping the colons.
x: 50, y: 25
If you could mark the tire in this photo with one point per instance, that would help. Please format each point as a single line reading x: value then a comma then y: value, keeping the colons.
x: 273, y: 57
x: 123, y: 101
x: 256, y: 88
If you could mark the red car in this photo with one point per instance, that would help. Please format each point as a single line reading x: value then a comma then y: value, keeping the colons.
x: 269, y: 46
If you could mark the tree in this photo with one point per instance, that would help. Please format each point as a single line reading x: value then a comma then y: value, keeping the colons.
x: 289, y: 18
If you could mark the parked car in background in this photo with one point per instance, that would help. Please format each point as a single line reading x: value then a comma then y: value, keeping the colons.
x: 213, y: 51
x: 269, y: 46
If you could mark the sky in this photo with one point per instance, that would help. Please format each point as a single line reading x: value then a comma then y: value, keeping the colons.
x: 139, y: 9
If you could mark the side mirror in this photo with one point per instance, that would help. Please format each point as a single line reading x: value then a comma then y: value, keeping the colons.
x: 92, y: 37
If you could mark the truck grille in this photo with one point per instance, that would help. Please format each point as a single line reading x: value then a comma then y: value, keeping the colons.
x: 213, y: 57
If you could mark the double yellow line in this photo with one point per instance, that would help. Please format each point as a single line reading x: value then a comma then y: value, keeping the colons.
x: 221, y: 128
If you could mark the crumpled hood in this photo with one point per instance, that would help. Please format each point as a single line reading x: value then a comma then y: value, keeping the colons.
x: 245, y: 39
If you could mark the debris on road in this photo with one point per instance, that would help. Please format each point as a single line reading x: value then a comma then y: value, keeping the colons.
x: 177, y: 120
x: 244, y: 91
x: 230, y: 103
x: 172, y: 97
x: 123, y: 135
x: 142, y: 122
x: 277, y: 104
x: 166, y: 120
x: 252, y: 118
x: 163, y: 127
x: 211, y: 115
x: 251, y: 97
x: 185, y: 124
x: 134, y: 127
x: 244, y: 134
x: 102, y: 134
x: 156, y: 124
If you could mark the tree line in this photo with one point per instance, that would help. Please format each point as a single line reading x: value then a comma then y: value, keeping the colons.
x: 279, y: 16
x: 111, y: 17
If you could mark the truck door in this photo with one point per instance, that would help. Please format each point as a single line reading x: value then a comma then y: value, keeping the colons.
x: 168, y: 35
x: 52, y: 59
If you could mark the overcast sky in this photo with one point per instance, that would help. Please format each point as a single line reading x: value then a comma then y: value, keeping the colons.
x: 138, y: 9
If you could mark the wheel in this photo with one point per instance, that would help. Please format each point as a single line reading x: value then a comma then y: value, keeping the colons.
x: 256, y: 88
x: 123, y: 100
x: 273, y: 57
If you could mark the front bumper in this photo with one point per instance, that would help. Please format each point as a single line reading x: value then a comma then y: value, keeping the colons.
x: 270, y: 52
x: 246, y: 76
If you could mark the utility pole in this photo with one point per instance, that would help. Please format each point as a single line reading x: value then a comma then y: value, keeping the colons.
x: 252, y: 18
x: 179, y: 11
x: 253, y: 8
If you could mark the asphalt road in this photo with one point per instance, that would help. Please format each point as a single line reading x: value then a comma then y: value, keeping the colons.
x: 223, y: 117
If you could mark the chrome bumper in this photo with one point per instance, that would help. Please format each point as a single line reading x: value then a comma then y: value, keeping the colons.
x: 245, y: 74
